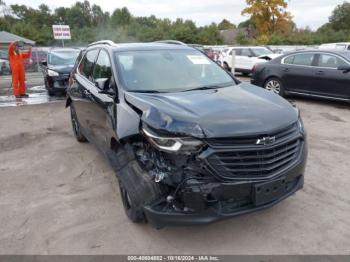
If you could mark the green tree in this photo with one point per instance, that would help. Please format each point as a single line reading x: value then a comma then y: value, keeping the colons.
x: 340, y: 19
x: 121, y: 17
x: 225, y: 25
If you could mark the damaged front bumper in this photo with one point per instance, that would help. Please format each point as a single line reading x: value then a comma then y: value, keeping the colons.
x: 244, y: 197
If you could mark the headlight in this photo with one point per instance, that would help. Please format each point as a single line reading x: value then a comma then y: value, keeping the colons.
x: 172, y: 144
x: 52, y: 73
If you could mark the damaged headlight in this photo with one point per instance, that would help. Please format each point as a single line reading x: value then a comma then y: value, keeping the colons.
x: 172, y: 144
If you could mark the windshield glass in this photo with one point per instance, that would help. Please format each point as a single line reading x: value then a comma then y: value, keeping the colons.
x: 261, y: 51
x: 169, y: 71
x: 62, y: 57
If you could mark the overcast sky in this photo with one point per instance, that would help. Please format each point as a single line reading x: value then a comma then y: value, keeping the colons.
x: 312, y: 13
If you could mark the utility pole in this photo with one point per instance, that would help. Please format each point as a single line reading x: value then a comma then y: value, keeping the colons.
x: 61, y: 23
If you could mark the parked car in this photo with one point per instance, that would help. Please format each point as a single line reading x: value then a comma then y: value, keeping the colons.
x: 246, y: 58
x: 318, y: 73
x: 339, y: 46
x: 57, y: 69
x: 4, y: 67
x: 39, y: 55
x: 190, y: 144
x: 210, y: 52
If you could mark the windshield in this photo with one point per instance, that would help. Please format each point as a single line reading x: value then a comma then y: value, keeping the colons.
x: 261, y: 51
x: 169, y: 71
x: 62, y: 57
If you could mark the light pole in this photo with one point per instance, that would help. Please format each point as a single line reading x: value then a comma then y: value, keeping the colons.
x: 61, y: 23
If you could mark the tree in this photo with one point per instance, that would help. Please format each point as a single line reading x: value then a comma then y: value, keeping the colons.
x: 225, y: 25
x: 121, y: 17
x: 340, y: 19
x: 242, y: 39
x: 269, y: 16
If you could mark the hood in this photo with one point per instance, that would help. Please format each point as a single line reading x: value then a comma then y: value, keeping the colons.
x: 269, y: 56
x: 63, y: 69
x: 232, y: 111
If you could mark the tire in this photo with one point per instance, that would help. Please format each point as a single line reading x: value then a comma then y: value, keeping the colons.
x: 137, y: 188
x: 49, y: 91
x: 274, y: 85
x: 76, y: 126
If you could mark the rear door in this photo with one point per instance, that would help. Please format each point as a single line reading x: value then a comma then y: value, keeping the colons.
x: 331, y: 81
x: 237, y: 52
x: 297, y: 72
x: 245, y: 59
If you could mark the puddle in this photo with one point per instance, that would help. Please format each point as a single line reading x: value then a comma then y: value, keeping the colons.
x: 37, y: 88
x: 33, y: 99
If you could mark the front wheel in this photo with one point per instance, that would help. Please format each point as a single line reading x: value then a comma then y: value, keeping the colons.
x: 274, y: 85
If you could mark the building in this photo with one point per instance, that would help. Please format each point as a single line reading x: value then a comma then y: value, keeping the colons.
x: 7, y: 38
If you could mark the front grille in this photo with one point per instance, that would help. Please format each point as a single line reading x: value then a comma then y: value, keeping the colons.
x: 280, y: 135
x: 249, y: 161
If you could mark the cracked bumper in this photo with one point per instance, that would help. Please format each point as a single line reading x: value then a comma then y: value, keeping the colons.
x: 258, y: 201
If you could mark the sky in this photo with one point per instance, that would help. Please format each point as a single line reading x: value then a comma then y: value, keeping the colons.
x: 311, y: 13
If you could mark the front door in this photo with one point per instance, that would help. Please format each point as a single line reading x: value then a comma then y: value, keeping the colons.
x: 82, y: 85
x: 102, y: 109
x: 331, y: 81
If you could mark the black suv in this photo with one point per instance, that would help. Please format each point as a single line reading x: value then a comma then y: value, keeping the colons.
x: 57, y: 68
x: 190, y: 144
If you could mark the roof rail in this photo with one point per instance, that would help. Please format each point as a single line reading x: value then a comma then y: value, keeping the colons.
x: 102, y: 42
x: 171, y: 42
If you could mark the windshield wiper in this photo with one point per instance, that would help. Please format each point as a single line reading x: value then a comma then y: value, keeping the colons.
x: 146, y: 91
x: 202, y: 88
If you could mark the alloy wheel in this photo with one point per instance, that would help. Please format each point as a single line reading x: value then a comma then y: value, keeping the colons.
x: 273, y: 86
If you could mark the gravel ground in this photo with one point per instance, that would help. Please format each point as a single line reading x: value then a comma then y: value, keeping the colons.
x: 58, y: 196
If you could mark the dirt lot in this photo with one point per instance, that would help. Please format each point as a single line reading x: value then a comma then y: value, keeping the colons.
x: 60, y: 197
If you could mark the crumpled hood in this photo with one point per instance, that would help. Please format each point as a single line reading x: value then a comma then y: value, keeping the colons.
x: 269, y: 56
x: 63, y: 69
x: 232, y: 111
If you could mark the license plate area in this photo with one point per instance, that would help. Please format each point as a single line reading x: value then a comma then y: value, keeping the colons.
x: 269, y: 191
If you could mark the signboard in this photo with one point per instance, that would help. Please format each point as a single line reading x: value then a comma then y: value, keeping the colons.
x: 61, y: 32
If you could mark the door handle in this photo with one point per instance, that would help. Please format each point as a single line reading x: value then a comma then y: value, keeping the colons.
x: 285, y: 70
x: 320, y: 73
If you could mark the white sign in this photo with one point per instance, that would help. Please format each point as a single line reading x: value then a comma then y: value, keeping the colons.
x: 61, y: 32
x: 198, y: 60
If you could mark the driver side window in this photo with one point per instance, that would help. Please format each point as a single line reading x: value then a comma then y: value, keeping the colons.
x: 102, y: 67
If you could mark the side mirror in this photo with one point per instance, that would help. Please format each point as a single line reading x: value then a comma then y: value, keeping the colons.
x: 102, y: 83
x: 43, y: 63
x: 345, y: 69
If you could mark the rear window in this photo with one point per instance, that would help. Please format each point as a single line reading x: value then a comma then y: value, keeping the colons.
x: 304, y: 59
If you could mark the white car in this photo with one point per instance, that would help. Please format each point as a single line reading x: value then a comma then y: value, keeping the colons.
x: 339, y: 46
x: 246, y: 58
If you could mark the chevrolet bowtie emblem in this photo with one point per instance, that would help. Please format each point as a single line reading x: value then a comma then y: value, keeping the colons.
x: 266, y: 140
